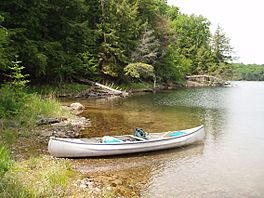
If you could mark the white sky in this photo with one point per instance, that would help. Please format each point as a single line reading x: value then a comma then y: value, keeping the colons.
x: 241, y: 20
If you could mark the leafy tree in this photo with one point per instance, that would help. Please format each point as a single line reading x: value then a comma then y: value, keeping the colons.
x: 192, y: 35
x: 139, y: 70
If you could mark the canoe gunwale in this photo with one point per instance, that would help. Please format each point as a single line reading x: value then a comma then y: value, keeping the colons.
x: 71, y: 141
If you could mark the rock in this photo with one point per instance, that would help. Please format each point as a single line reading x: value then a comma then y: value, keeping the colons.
x: 44, y: 121
x: 77, y: 106
x: 68, y: 128
x: 64, y: 127
x: 194, y: 84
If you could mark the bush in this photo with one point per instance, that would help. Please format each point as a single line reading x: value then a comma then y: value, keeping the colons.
x: 24, y: 108
x: 11, y: 101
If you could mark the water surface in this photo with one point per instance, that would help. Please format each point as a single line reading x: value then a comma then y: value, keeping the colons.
x: 229, y: 163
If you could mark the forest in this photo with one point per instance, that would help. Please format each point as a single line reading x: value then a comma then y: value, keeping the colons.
x: 250, y: 72
x: 55, y: 42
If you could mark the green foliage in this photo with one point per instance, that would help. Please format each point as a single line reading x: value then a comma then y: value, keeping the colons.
x: 55, y: 176
x: 192, y: 36
x: 5, y: 160
x: 11, y: 101
x: 118, y: 29
x: 62, y: 89
x: 44, y: 178
x: 25, y: 108
x: 35, y: 106
x: 58, y: 41
x: 9, y: 133
x: 18, y: 80
x: 10, y: 187
x: 250, y: 72
x: 221, y: 46
x: 137, y: 86
x: 4, y: 50
x: 137, y: 70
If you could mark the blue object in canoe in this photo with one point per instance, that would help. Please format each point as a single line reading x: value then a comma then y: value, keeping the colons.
x: 176, y: 133
x: 109, y: 139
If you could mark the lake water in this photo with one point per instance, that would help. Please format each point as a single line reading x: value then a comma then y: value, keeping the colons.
x: 229, y: 163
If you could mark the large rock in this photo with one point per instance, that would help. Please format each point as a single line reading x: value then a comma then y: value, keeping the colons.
x: 44, y: 121
x: 77, y: 106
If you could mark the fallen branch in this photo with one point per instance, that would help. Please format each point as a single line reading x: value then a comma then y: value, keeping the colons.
x: 112, y: 90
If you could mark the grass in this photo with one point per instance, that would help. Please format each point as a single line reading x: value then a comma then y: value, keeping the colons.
x: 35, y: 106
x: 9, y: 188
x: 64, y: 89
x: 38, y: 177
x: 21, y: 110
x: 136, y: 86
x: 5, y: 159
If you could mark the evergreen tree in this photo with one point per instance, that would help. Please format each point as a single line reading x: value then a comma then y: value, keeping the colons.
x: 4, y: 61
x: 222, y: 53
x: 221, y: 46
x: 119, y: 29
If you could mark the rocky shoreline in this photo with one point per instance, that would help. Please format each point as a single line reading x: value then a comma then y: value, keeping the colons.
x: 69, y: 127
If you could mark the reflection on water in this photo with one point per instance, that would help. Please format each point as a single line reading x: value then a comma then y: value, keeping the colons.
x: 230, y: 162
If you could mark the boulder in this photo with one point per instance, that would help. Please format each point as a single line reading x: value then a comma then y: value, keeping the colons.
x: 77, y: 106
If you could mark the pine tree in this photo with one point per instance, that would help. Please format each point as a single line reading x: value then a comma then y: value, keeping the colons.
x: 221, y: 46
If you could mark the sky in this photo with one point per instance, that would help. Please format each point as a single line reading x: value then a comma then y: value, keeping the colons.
x: 241, y: 20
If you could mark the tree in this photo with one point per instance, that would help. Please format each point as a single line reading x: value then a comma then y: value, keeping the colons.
x: 147, y: 49
x: 118, y: 29
x: 192, y: 35
x: 96, y: 39
x: 5, y: 53
x: 222, y: 53
x: 49, y: 36
x: 221, y: 46
x: 139, y: 70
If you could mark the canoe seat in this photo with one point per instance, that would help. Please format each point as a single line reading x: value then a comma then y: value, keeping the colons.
x: 110, y: 139
x: 176, y: 133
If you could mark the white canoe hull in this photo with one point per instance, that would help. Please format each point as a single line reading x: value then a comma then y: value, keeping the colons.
x: 73, y: 147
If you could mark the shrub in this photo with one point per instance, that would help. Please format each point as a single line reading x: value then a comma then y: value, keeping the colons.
x: 11, y: 101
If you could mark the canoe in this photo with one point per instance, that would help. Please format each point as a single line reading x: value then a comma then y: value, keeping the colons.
x: 116, y: 145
